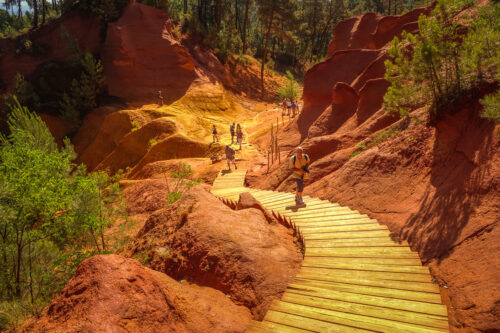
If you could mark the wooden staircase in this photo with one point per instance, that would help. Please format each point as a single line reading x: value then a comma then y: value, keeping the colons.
x: 354, y: 277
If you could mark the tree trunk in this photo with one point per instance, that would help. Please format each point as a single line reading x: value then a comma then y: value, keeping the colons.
x: 264, y: 56
x: 35, y: 13
x: 30, y: 269
x: 44, y: 10
x: 185, y: 6
x: 236, y: 16
x: 245, y: 23
x: 219, y: 14
x: 19, y: 9
x: 314, y: 22
x: 18, y: 269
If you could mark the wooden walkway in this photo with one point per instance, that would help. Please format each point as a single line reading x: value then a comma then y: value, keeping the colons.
x: 354, y: 278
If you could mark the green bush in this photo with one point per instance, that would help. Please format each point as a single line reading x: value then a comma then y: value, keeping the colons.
x: 181, y: 183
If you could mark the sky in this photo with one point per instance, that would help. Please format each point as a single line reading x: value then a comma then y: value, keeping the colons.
x: 24, y: 6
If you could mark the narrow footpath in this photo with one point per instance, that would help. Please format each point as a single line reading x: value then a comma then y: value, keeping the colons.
x: 354, y: 277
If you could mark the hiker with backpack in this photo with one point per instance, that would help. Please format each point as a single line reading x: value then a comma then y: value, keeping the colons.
x: 160, y: 98
x: 299, y: 164
x: 231, y: 129
x: 214, y: 134
x: 230, y: 157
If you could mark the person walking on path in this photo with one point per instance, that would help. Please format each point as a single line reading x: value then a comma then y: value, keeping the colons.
x: 295, y: 108
x: 288, y: 106
x: 160, y: 98
x: 231, y: 129
x: 230, y: 157
x: 299, y: 164
x: 214, y: 134
x: 239, y: 137
x: 284, y: 105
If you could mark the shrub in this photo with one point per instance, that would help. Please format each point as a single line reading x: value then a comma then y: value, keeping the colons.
x: 181, y: 182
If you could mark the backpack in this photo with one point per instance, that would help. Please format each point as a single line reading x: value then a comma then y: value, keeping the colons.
x: 295, y: 158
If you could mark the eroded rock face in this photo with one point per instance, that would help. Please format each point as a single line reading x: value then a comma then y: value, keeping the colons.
x: 141, y: 56
x: 237, y: 252
x: 110, y: 293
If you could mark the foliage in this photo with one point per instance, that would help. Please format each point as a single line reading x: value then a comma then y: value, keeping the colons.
x: 52, y: 213
x: 24, y: 46
x: 374, y: 140
x: 152, y: 142
x: 291, y: 90
x: 24, y: 92
x: 181, y: 182
x: 106, y: 10
x: 491, y: 105
x: 83, y: 94
x: 437, y: 66
x: 135, y: 125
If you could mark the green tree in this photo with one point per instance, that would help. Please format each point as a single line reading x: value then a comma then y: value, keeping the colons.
x: 49, y: 207
x: 291, y: 90
x: 82, y: 96
x: 275, y: 14
x: 439, y: 64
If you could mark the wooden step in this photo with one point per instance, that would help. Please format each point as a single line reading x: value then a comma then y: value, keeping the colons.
x: 348, y: 234
x: 375, y: 300
x: 339, y: 228
x: 365, y: 278
x: 308, y: 323
x: 270, y: 327
x: 397, y: 315
x: 351, y: 320
x: 409, y: 295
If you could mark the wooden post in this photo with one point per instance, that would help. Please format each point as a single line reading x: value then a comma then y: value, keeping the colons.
x: 272, y: 144
x: 276, y: 146
x: 279, y: 155
x: 267, y: 161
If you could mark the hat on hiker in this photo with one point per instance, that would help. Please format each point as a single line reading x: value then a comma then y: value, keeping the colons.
x: 299, y: 148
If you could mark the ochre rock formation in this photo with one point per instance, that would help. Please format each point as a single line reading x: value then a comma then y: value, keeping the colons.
x: 110, y: 293
x: 134, y: 145
x: 203, y: 241
x: 141, y: 56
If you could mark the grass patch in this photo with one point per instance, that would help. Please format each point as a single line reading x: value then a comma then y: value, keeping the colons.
x: 375, y: 140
